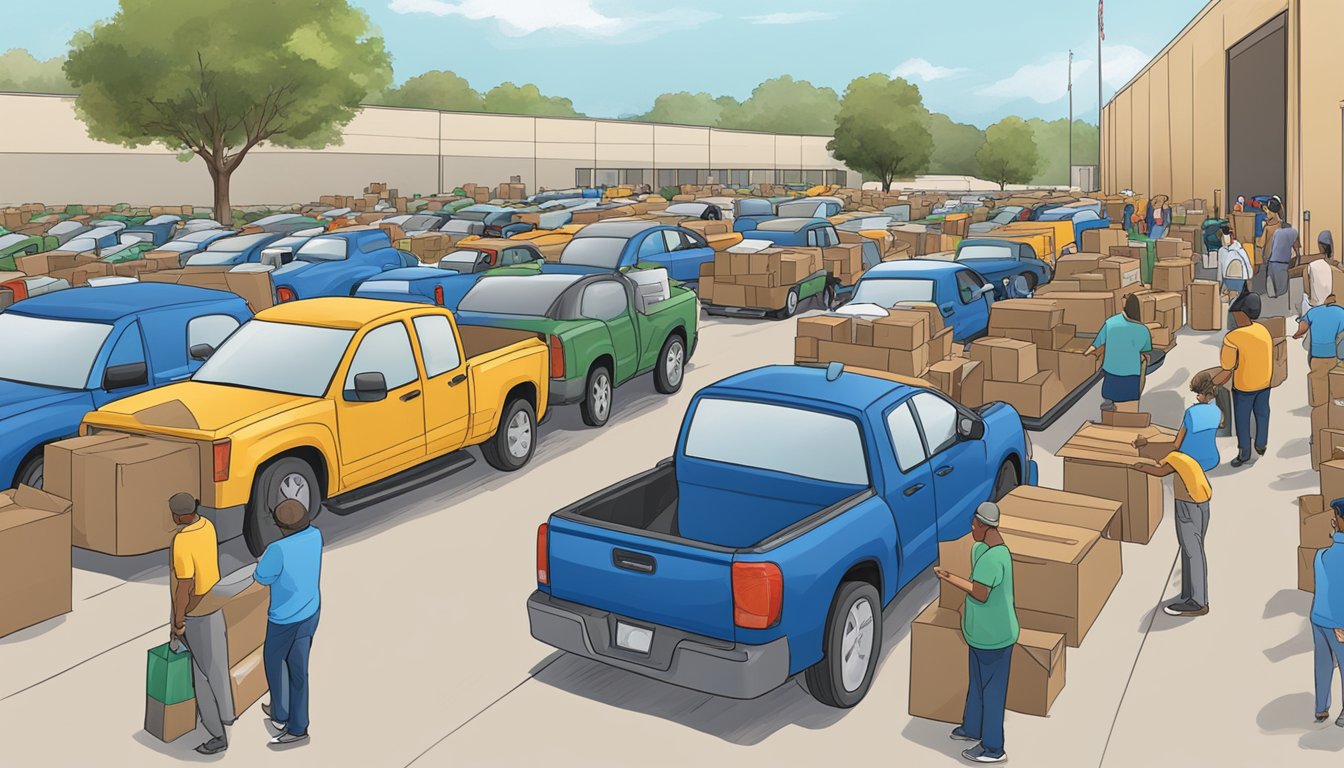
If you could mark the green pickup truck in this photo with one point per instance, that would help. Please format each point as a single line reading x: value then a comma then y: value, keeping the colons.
x: 604, y: 328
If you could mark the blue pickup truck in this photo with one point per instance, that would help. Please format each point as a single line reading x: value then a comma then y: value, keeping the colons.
x: 621, y: 245
x: 962, y: 295
x: 113, y: 340
x: 1001, y: 261
x: 334, y: 264
x: 799, y: 501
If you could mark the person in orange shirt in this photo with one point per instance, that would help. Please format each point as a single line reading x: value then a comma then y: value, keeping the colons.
x: 1247, y: 359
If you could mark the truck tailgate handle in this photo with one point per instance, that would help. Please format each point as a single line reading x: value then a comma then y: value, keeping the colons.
x: 633, y: 561
x: 458, y: 379
x: 945, y: 470
x: 912, y: 490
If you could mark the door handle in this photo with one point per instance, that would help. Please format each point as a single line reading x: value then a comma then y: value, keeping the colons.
x: 409, y: 396
x: 912, y: 490
x: 945, y: 471
x: 458, y: 379
x: 633, y: 561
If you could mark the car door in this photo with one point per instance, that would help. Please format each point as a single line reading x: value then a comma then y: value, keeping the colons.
x: 379, y: 437
x: 960, y: 477
x: 685, y: 255
x: 909, y: 492
x: 127, y: 364
x: 970, y: 307
x: 513, y: 257
x: 652, y: 248
x: 608, y: 301
x: 447, y: 407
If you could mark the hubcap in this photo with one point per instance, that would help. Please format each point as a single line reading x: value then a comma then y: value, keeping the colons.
x: 793, y: 302
x: 520, y: 435
x: 675, y: 358
x: 856, y: 645
x: 295, y: 486
x: 601, y: 396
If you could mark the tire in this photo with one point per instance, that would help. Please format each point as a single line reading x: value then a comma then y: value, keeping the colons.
x: 1030, y: 277
x: 833, y: 681
x: 598, y: 394
x: 286, y: 478
x: 790, y: 305
x: 515, y: 439
x: 1005, y: 481
x: 670, y: 369
x: 30, y: 472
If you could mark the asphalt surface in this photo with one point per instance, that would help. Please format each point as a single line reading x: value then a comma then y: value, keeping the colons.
x: 423, y: 655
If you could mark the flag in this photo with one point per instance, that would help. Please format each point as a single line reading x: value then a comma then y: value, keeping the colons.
x: 1101, y: 23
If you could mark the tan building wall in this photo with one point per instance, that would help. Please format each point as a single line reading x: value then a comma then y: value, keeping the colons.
x: 1166, y: 131
x: 46, y: 155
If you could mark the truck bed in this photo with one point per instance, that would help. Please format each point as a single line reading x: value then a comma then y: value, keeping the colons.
x: 478, y: 340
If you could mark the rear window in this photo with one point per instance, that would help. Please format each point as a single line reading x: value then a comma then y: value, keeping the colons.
x: 973, y: 252
x: 777, y: 438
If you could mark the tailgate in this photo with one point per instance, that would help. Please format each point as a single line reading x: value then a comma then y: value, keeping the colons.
x: 657, y: 580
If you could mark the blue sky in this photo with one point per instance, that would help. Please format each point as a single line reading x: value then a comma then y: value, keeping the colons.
x: 975, y: 60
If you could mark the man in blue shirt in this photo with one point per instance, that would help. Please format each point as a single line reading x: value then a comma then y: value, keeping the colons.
x: 1325, y: 323
x: 1327, y: 616
x: 1124, y: 344
x: 292, y: 568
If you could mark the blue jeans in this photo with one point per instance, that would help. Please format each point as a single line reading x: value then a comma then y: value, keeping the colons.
x: 987, y: 697
x: 1244, y: 405
x: 286, y: 658
x: 1329, y: 654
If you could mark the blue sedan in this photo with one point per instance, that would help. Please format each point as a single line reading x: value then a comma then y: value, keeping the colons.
x: 962, y: 295
x: 999, y: 261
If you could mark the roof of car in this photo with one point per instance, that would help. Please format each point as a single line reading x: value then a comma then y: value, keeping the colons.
x: 807, y: 383
x: 786, y: 224
x: 616, y: 228
x: 332, y: 312
x: 912, y: 266
x: 109, y: 303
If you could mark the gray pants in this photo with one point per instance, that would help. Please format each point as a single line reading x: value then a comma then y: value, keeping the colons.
x: 206, y: 639
x: 1276, y: 279
x: 1192, y: 523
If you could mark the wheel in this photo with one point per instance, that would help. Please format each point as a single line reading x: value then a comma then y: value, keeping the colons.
x: 31, y: 472
x: 287, y: 478
x: 514, y: 440
x: 597, y: 395
x: 1005, y: 481
x: 671, y: 368
x: 790, y: 305
x: 1030, y: 277
x: 850, y: 647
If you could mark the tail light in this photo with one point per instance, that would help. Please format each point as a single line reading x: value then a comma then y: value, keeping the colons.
x: 438, y: 295
x: 758, y: 595
x: 493, y: 231
x: 223, y: 449
x: 557, y: 357
x: 543, y: 556
x: 284, y: 293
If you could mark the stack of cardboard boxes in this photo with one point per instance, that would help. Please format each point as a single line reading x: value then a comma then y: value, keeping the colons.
x: 1091, y: 287
x: 1031, y: 357
x: 1099, y: 459
x: 1316, y: 530
x: 1205, y: 305
x: 1327, y: 418
x: 906, y: 342
x: 739, y: 277
x: 377, y: 194
x: 1066, y: 563
x: 35, y: 575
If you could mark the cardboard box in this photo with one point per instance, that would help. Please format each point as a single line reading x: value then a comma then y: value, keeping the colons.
x: 901, y: 330
x: 1012, y: 360
x: 1171, y: 248
x: 245, y: 617
x: 1328, y: 444
x: 805, y: 349
x: 1031, y: 314
x: 940, y: 346
x: 972, y: 384
x: 35, y: 569
x: 1279, y: 372
x: 1133, y: 251
x: 1048, y: 505
x: 1332, y: 479
x: 1119, y: 271
x: 827, y: 328
x: 1306, y: 569
x: 907, y: 362
x: 1055, y: 338
x: 945, y: 375
x: 121, y: 491
x: 58, y: 461
x: 1086, y: 310
x: 1139, y: 494
x: 1070, y: 265
x: 1335, y: 384
x: 1277, y: 326
x: 1101, y: 240
x: 1162, y: 337
x: 854, y: 355
x: 247, y: 678
x: 1316, y: 521
x: 729, y: 294
x: 169, y: 722
x: 1205, y: 306
x: 1073, y: 367
x: 1033, y: 397
x: 1173, y: 275
x: 1154, y: 303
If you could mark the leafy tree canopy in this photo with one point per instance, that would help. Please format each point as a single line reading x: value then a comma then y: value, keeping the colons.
x: 883, y: 129
x: 785, y: 105
x: 526, y: 99
x: 21, y: 73
x: 436, y: 89
x: 1009, y: 155
x: 954, y: 146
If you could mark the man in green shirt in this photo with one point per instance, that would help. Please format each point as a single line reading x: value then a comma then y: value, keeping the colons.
x: 989, y: 624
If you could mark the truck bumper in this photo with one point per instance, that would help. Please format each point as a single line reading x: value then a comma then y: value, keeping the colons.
x: 718, y: 667
x: 566, y: 392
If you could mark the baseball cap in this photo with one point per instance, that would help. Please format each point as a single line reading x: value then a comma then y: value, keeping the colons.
x: 988, y: 513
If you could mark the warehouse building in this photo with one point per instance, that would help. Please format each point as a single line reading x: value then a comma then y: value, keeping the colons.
x: 1247, y: 100
x: 46, y: 155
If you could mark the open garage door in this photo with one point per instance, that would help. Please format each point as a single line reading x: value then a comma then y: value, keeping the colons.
x: 1257, y: 113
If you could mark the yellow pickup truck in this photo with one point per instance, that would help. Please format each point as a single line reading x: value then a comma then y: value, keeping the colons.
x: 1050, y: 239
x: 317, y: 399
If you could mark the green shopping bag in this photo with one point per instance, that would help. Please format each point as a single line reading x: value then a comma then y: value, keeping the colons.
x: 168, y: 675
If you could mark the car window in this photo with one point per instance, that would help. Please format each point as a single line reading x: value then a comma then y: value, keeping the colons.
x: 322, y: 249
x: 939, y: 420
x: 129, y: 348
x: 517, y: 256
x: 829, y: 237
x: 814, y: 237
x: 603, y: 301
x: 653, y: 245
x: 968, y: 286
x: 871, y: 255
x: 385, y: 350
x: 438, y: 344
x: 905, y: 438
x: 210, y: 329
x: 793, y: 441
x: 673, y: 239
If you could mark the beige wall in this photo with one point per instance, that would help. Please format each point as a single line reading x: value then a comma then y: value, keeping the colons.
x: 1166, y: 131
x: 46, y: 155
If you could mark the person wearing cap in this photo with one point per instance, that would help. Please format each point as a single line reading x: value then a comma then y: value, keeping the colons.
x: 1123, y: 343
x: 1192, y: 495
x: 1325, y: 323
x: 1320, y: 278
x: 989, y: 625
x: 1247, y: 358
x: 292, y: 568
x: 194, y: 561
x: 1327, y: 615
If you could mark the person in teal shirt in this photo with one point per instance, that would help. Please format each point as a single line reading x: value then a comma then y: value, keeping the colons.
x: 989, y: 625
x: 1325, y: 323
x: 1124, y: 344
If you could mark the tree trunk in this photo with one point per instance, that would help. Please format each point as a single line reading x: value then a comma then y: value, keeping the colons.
x: 222, y: 208
x: 1003, y: 185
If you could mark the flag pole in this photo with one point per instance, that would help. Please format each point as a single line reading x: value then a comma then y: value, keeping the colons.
x: 1069, y: 181
x: 1101, y: 35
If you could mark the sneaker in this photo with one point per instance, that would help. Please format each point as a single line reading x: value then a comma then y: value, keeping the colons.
x: 214, y: 746
x: 1237, y: 462
x: 1321, y: 717
x: 1261, y: 451
x: 978, y: 754
x: 288, y: 739
x: 276, y: 724
x: 1339, y: 721
x: 960, y: 734
x: 1186, y: 609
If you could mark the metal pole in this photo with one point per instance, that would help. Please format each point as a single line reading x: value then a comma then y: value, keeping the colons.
x: 1101, y: 33
x: 1069, y: 173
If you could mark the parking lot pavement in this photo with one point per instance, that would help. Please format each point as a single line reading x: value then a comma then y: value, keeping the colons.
x: 423, y: 655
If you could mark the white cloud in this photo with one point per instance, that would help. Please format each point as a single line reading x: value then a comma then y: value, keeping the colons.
x: 1047, y: 81
x: 923, y: 69
x: 800, y: 17
x: 518, y: 18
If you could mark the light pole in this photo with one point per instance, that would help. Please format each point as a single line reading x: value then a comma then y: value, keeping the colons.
x: 1069, y: 173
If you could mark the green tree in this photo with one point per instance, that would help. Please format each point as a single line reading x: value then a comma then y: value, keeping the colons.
x: 526, y: 99
x: 954, y: 146
x: 436, y: 89
x: 688, y: 109
x: 785, y: 105
x: 1052, y: 140
x: 882, y: 129
x: 21, y: 73
x: 251, y: 71
x: 1009, y: 155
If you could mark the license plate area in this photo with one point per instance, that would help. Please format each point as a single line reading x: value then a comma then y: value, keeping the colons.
x: 631, y: 637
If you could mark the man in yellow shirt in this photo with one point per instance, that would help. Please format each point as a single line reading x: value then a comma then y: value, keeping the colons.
x: 1248, y: 360
x: 194, y: 572
x: 1192, y: 495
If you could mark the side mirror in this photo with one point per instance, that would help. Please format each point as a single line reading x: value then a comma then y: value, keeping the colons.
x: 370, y: 387
x: 969, y: 428
x: 201, y: 352
x: 125, y: 375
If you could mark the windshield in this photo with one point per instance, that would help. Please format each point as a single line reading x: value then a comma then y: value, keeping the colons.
x: 26, y: 345
x: 974, y: 252
x: 781, y: 225
x: 461, y: 260
x: 278, y: 357
x: 322, y: 249
x: 686, y: 209
x: 604, y: 252
x: 530, y: 295
x: 226, y: 250
x: 804, y: 209
x: 888, y: 292
x: 808, y: 444
x: 755, y: 208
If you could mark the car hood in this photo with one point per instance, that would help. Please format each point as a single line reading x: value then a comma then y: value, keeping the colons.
x: 191, y: 408
x: 16, y: 398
